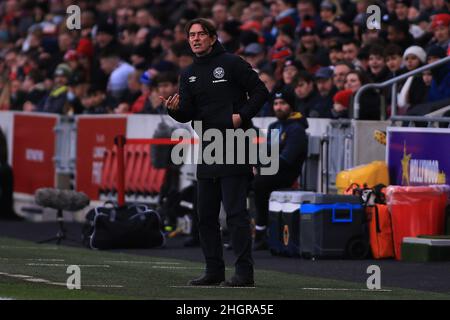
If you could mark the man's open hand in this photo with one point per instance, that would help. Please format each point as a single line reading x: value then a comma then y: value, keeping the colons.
x: 237, y: 121
x: 172, y: 102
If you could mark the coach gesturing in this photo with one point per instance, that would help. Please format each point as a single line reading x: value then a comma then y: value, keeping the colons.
x: 223, y: 92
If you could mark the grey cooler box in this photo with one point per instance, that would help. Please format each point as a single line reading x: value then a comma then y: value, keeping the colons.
x: 333, y: 226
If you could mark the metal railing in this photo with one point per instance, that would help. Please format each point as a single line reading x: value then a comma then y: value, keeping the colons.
x: 393, y: 82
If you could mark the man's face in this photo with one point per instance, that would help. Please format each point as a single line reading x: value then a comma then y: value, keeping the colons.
x: 108, y: 64
x: 394, y: 63
x: 64, y: 42
x: 340, y: 73
x: 305, y: 9
x: 61, y: 81
x: 289, y: 73
x: 308, y: 41
x: 326, y: 14
x: 441, y: 33
x: 350, y: 52
x: 219, y: 12
x: 401, y: 11
x: 200, y: 41
x: 393, y: 35
x: 376, y: 63
x: 281, y: 109
x: 324, y: 86
x: 303, y: 88
x: 167, y: 89
x: 335, y: 56
x: 103, y: 39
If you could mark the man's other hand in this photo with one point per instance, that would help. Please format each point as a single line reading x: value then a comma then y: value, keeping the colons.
x: 237, y: 121
x: 172, y: 102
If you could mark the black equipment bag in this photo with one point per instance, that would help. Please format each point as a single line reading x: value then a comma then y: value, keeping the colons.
x: 126, y: 227
x: 160, y: 154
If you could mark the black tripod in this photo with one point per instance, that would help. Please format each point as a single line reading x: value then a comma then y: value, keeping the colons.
x: 61, y: 234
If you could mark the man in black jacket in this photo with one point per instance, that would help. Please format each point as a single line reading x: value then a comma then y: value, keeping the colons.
x: 223, y: 92
x: 293, y: 147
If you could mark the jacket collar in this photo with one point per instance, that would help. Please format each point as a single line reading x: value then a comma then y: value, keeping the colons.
x: 217, y: 49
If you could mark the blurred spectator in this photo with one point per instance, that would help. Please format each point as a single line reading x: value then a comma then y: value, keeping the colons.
x: 327, y: 11
x: 56, y: 100
x: 290, y: 69
x: 255, y: 55
x: 378, y: 72
x: 34, y: 89
x: 441, y: 32
x: 413, y: 90
x: 145, y: 82
x: 440, y: 84
x: 95, y: 101
x: 306, y: 94
x: 341, y: 103
x: 335, y: 53
x: 326, y: 88
x: 166, y: 84
x: 350, y: 49
x: 341, y: 69
x: 394, y: 59
x: 118, y: 72
x: 269, y: 81
x: 369, y: 102
x: 219, y: 14
x: 398, y: 33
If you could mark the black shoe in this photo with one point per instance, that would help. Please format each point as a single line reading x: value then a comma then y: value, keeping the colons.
x: 207, y: 280
x: 236, y: 281
x: 192, y: 242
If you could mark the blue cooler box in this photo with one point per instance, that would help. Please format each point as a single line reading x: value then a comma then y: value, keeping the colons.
x: 333, y: 226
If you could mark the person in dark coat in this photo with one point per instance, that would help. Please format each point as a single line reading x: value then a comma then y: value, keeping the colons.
x: 293, y: 147
x: 223, y: 92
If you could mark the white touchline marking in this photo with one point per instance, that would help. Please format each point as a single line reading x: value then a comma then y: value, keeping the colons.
x: 33, y: 259
x: 66, y: 265
x: 346, y: 289
x: 63, y: 284
x: 209, y: 287
x: 20, y: 276
x: 171, y: 267
x: 6, y: 298
x: 141, y: 262
x: 50, y: 260
x: 35, y: 248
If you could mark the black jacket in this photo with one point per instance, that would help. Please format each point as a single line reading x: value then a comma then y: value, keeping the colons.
x: 293, y: 143
x: 212, y: 89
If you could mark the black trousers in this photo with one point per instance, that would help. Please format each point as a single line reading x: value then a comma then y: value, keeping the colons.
x: 232, y: 192
x: 263, y: 187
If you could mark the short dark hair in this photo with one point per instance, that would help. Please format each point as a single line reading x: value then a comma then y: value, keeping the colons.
x: 207, y: 26
x: 303, y: 75
x: 393, y: 49
x: 351, y: 41
x: 362, y: 76
x: 345, y: 63
x: 377, y: 50
x: 166, y: 77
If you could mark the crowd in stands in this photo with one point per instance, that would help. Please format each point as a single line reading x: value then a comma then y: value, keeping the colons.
x: 128, y: 53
